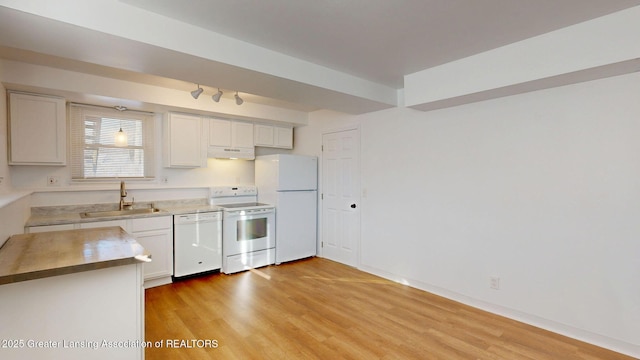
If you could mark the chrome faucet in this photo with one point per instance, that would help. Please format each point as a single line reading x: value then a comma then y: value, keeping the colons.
x: 123, y: 194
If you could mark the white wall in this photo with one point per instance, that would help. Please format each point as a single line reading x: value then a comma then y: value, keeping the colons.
x: 306, y: 140
x: 14, y: 212
x: 539, y: 189
x: 182, y: 184
x: 14, y: 206
x: 217, y: 172
x: 5, y: 183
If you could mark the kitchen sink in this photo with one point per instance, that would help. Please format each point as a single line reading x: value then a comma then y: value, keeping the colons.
x: 99, y: 214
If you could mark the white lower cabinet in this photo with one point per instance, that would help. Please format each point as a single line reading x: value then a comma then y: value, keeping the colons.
x: 156, y: 236
x: 97, y: 314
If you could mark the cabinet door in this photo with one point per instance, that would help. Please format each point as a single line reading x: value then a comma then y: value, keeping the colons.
x: 37, y: 130
x: 160, y: 245
x: 263, y: 135
x: 283, y: 137
x: 155, y: 234
x: 219, y: 132
x: 241, y: 134
x: 184, y: 137
x: 274, y: 136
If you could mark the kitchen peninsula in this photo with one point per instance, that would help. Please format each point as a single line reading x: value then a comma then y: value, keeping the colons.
x: 72, y: 294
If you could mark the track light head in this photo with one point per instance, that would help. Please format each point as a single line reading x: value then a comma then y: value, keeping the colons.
x: 216, y: 96
x: 197, y: 92
x: 239, y: 100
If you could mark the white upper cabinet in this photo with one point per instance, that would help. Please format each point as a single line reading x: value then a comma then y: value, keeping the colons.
x: 37, y: 129
x: 274, y: 136
x: 184, y: 141
x: 241, y: 134
x: 219, y: 132
x: 230, y: 139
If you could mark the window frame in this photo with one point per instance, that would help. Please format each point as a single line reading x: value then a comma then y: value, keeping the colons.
x: 78, y: 113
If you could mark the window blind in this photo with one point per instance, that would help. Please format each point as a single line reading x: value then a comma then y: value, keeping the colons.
x: 94, y: 154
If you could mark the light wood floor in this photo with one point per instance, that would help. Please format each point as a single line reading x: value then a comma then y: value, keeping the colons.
x: 319, y: 309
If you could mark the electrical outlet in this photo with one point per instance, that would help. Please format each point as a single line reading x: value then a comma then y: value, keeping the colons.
x: 53, y: 180
x: 1, y: 181
x: 494, y: 283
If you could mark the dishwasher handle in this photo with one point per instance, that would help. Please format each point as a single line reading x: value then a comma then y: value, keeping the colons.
x: 196, y: 218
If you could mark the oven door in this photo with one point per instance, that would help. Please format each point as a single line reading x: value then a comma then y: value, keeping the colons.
x: 248, y: 230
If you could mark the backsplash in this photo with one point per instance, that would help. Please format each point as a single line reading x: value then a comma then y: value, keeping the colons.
x: 218, y: 172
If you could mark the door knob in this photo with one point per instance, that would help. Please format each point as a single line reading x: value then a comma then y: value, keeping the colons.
x: 353, y: 206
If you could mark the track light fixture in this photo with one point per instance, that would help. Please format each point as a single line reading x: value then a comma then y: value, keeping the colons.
x: 239, y: 100
x: 195, y: 93
x: 216, y: 96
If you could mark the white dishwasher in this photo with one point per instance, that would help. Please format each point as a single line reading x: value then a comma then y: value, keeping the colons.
x: 197, y: 243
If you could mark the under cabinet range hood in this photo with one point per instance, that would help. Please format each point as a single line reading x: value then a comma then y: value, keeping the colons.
x: 223, y: 152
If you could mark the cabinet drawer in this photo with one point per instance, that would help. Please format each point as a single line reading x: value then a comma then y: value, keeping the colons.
x: 98, y: 224
x: 152, y: 223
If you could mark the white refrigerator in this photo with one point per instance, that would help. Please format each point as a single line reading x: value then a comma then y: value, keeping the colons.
x: 290, y: 182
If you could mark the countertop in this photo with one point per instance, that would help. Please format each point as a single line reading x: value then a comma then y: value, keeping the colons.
x: 75, y: 218
x: 71, y: 214
x: 33, y: 256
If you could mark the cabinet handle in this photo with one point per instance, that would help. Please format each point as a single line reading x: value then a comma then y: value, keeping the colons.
x: 353, y: 206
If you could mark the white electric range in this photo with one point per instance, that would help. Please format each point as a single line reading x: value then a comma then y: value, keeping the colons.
x: 248, y: 228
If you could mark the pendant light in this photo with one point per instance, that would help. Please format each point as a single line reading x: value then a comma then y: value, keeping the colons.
x: 121, y: 139
x: 121, y: 136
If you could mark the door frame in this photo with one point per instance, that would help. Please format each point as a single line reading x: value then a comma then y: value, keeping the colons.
x: 321, y: 186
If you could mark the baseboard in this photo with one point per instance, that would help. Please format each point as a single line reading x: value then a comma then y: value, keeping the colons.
x: 157, y: 282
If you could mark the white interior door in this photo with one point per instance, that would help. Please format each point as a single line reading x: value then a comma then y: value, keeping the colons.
x: 341, y: 196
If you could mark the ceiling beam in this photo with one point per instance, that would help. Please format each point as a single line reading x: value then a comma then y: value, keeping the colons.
x: 113, y: 34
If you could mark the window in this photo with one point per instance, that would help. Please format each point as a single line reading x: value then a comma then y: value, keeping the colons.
x: 94, y: 154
